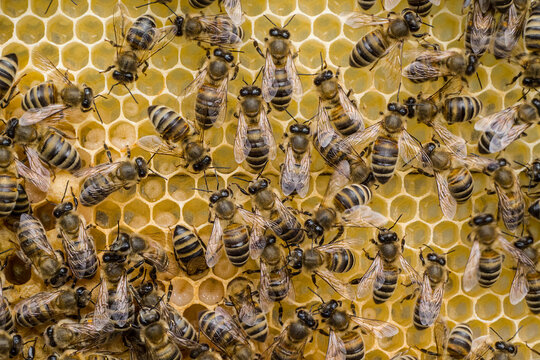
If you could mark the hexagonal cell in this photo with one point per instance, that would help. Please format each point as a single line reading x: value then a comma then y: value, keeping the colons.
x: 402, y: 314
x: 527, y: 332
x: 195, y: 212
x: 59, y: 29
x: 136, y: 214
x: 72, y: 62
x: 418, y: 185
x: 7, y: 29
x: 451, y: 24
x: 309, y: 53
x: 488, y: 307
x: 403, y: 206
x: 223, y: 157
x: 459, y: 308
x: 122, y: 134
x: 517, y: 311
x: 14, y: 8
x: 326, y: 27
x: 91, y: 135
x: 445, y: 234
x: 30, y: 29
x: 430, y: 210
x: 45, y: 216
x: 107, y: 214
x: 182, y: 292
x: 152, y: 188
x: 151, y: 83
x: 166, y: 213
x: 211, y: 291
x: 166, y: 58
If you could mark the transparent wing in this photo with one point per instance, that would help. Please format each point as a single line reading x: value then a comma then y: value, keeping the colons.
x: 155, y: 255
x: 292, y: 76
x: 234, y: 10
x: 336, y: 347
x: 342, y: 288
x: 197, y: 82
x: 155, y: 144
x: 102, y: 169
x: 101, y: 317
x: 37, y: 233
x: 453, y: 142
x: 363, y: 215
x: 121, y: 302
x: 247, y: 313
x: 435, y: 2
x: 418, y: 70
x: 288, y: 173
x: 77, y: 256
x: 336, y: 246
x: 410, y: 149
x: 391, y: 65
x: 501, y: 141
x: 440, y: 333
x: 367, y: 281
x: 214, y: 244
x: 446, y: 200
x: 324, y: 131
x: 514, y: 27
x: 411, y: 273
x: 390, y: 4
x: 380, y: 329
x: 42, y: 300
x: 264, y: 287
x: 222, y: 102
x: 232, y: 327
x: 362, y: 138
x: 257, y: 240
x: 242, y: 146
x: 41, y: 181
x: 470, y: 275
x: 480, y: 347
x: 267, y: 133
x: 511, y: 203
x: 350, y: 109
x: 499, y: 122
x: 218, y: 30
x: 269, y: 85
x: 517, y: 254
x: 483, y: 22
x: 302, y: 176
x: 430, y: 302
x: 121, y: 25
x: 251, y: 219
x: 358, y: 19
x: 162, y: 37
x: 520, y: 286
x: 479, y: 163
x: 484, y: 4
x: 86, y: 335
x: 285, y: 213
x: 47, y: 66
x: 51, y: 113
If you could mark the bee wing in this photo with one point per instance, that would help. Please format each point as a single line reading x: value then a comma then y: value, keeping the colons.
x: 285, y: 213
x: 234, y: 10
x: 36, y: 234
x: 392, y: 64
x: 520, y: 286
x: 52, y: 113
x: 162, y: 37
x: 214, y: 244
x: 288, y: 179
x: 102, y: 169
x: 507, y: 203
x: 156, y: 255
x: 447, y: 201
x: 231, y: 325
x: 222, y: 102
x: 292, y: 76
x: 411, y: 150
x: 182, y: 342
x: 257, y: 240
x: 121, y: 25
x: 501, y: 141
x: 197, y: 82
x: 430, y: 302
x: 302, y: 176
x: 413, y: 275
x: 34, y: 305
x: 350, y: 109
x: 44, y: 64
x: 454, y: 143
x: 484, y: 4
x: 41, y: 181
x: 269, y: 85
x: 380, y: 329
x: 121, y: 302
x: 242, y: 146
x: 155, y: 144
x: 390, y: 4
x: 367, y: 281
x: 475, y: 162
x: 418, y: 70
x: 514, y: 26
x: 342, y: 288
x: 480, y: 347
x: 470, y: 275
x: 440, y: 333
x: 267, y: 354
x: 363, y: 215
x: 330, y: 248
x: 336, y: 347
x: 362, y: 138
x: 87, y: 336
x: 247, y: 313
x: 516, y: 253
x: 435, y: 2
x: 358, y: 19
x: 337, y: 181
x: 77, y: 255
x: 223, y: 35
x: 251, y: 219
x: 499, y: 122
x: 483, y: 22
x: 101, y: 317
x: 264, y: 286
x: 324, y: 131
x: 267, y: 133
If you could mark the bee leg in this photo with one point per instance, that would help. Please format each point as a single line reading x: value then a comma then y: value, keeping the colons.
x: 425, y: 351
x: 112, y: 43
x: 515, y: 78
x: 340, y: 232
x: 256, y: 45
x: 353, y: 309
x: 251, y: 271
x: 145, y: 67
x: 282, y: 148
x: 324, y: 332
x: 314, y: 280
x: 280, y: 314
x: 235, y: 74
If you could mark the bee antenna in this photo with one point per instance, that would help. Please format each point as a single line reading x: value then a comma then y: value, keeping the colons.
x: 256, y: 77
x: 95, y: 287
x: 429, y: 247
x: 522, y: 164
x: 289, y: 21
x: 317, y: 295
x: 97, y: 111
x: 291, y: 115
x: 431, y: 26
x: 130, y: 93
x: 395, y: 222
x: 511, y: 235
x: 65, y: 191
x: 260, y: 172
x: 157, y: 174
x: 217, y: 179
x: 513, y: 336
x: 198, y: 189
x: 245, y: 82
x: 239, y: 178
x: 496, y: 333
x: 271, y: 22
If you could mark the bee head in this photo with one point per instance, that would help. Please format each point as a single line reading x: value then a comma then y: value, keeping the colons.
x: 313, y: 228
x: 524, y: 242
x: 250, y: 90
x: 124, y: 76
x: 203, y: 164
x: 83, y: 297
x: 179, y: 23
x: 327, y: 309
x: 277, y: 32
x: 307, y: 319
x: 62, y: 208
x: 412, y: 19
x: 225, y: 55
x: 11, y: 127
x: 258, y: 185
x: 472, y: 64
x: 323, y: 76
x: 220, y: 194
x: 482, y: 219
x: 299, y: 129
x: 387, y: 237
x: 148, y: 316
x: 88, y: 98
x: 142, y: 167
x: 295, y: 258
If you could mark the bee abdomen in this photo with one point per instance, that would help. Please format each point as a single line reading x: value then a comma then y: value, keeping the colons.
x: 91, y: 190
x: 490, y: 267
x: 141, y: 33
x: 277, y: 289
x: 460, y: 184
x: 330, y: 152
x: 366, y: 4
x: 258, y: 155
x: 40, y: 96
x: 483, y: 143
x: 352, y: 195
x: 384, y: 158
x: 533, y: 295
x: 461, y: 108
x: 416, y: 317
x: 284, y: 90
x: 421, y: 7
x: 369, y: 49
x: 168, y: 123
x: 200, y: 4
x: 84, y: 265
x: 8, y: 70
x: 8, y: 193
x: 258, y: 331
x: 517, y: 209
x: 354, y: 345
x: 383, y: 291
x: 460, y: 341
x: 342, y: 260
x: 57, y: 151
x: 207, y: 106
x: 343, y: 123
x: 120, y: 317
x: 6, y: 317
x: 212, y: 325
x: 532, y: 29
x: 22, y: 205
x: 534, y: 209
x: 236, y: 243
x: 29, y: 230
x: 32, y: 314
x: 291, y: 235
x: 188, y: 251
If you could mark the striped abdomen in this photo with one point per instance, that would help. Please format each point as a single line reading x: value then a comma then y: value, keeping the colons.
x: 22, y: 205
x: 29, y: 229
x: 8, y: 193
x: 516, y: 208
x: 121, y: 317
x: 502, y: 43
x: 331, y: 154
x: 168, y: 123
x: 354, y: 345
x: 284, y: 89
x: 341, y: 121
x: 533, y: 295
x: 293, y: 235
x: 180, y: 326
x: 8, y: 70
x: 532, y: 29
x: 369, y: 49
x: 460, y: 341
x: 236, y: 242
x: 490, y: 267
x: 366, y: 4
x: 288, y: 348
x: 480, y: 39
x: 278, y: 286
x: 384, y: 158
x: 216, y: 329
x: 141, y: 34
x: 352, y: 195
x: 95, y: 189
x: 534, y: 209
x: 199, y: 4
x: 340, y: 261
x: 207, y: 105
x: 32, y: 313
x: 421, y: 7
x: 382, y: 291
x: 6, y: 317
x: 39, y: 96
x: 259, y: 330
x: 188, y: 251
x: 55, y: 150
x: 84, y: 263
x: 484, y: 141
x: 258, y: 155
x: 460, y: 184
x: 461, y: 108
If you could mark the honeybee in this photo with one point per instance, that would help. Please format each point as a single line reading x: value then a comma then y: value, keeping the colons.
x: 431, y: 65
x: 325, y: 261
x: 154, y: 335
x: 211, y: 85
x: 72, y: 335
x: 178, y: 138
x: 76, y: 355
x: 530, y: 70
x: 221, y: 329
x: 292, y: 340
x: 232, y: 7
x: 55, y: 96
x: 531, y: 30
x: 114, y: 309
x: 11, y: 345
x: 7, y: 323
x: 457, y: 344
x: 36, y: 249
x: 510, y: 27
x: 189, y: 250
x: 47, y: 306
x: 485, y: 263
x: 345, y: 341
x: 280, y: 81
x: 254, y: 140
x: 295, y: 170
x: 9, y: 64
x: 382, y: 275
x: 533, y: 173
x: 487, y: 347
x: 250, y: 315
x: 135, y: 44
x: 480, y: 28
x: 218, y: 30
x: 102, y: 180
x: 500, y: 129
x: 14, y: 200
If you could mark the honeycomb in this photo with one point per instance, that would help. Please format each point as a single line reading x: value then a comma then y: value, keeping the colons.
x: 72, y: 37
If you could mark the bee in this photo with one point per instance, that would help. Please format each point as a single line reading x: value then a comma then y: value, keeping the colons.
x: 154, y: 335
x: 530, y: 70
x: 390, y: 140
x: 189, y: 251
x: 105, y: 179
x: 431, y: 65
x: 345, y: 341
x: 135, y: 44
x: 532, y: 42
x: 386, y: 41
x: 178, y: 137
x: 403, y: 356
x: 292, y: 340
x: 235, y: 236
x: 55, y: 96
x: 9, y: 65
x: 11, y: 345
x: 325, y: 261
x: 114, y: 309
x: 280, y: 81
x: 12, y: 190
x: 485, y: 263
x: 221, y: 329
x: 211, y: 85
x: 36, y: 249
x: 72, y: 335
x: 254, y: 140
x: 232, y: 7
x: 382, y: 275
x: 421, y: 7
x: 480, y: 28
x: 335, y: 106
x: 457, y: 344
x: 500, y: 129
x: 533, y: 173
x: 509, y: 28
x: 295, y: 171
x: 7, y: 323
x: 50, y: 305
x: 486, y: 347
x: 250, y: 315
x: 80, y: 249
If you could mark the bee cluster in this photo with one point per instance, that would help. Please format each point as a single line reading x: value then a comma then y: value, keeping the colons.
x: 324, y: 254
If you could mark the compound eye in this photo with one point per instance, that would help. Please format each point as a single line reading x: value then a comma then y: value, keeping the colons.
x: 252, y: 190
x: 527, y: 82
x: 432, y: 257
x: 225, y: 193
x: 285, y: 34
x: 214, y: 198
x: 264, y: 184
x: 218, y: 52
x: 442, y: 262
x: 392, y: 106
x: 244, y: 92
x: 229, y: 58
x: 317, y: 81
x: 511, y: 349
x: 293, y: 128
x: 500, y: 345
x: 274, y: 32
x: 256, y: 92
